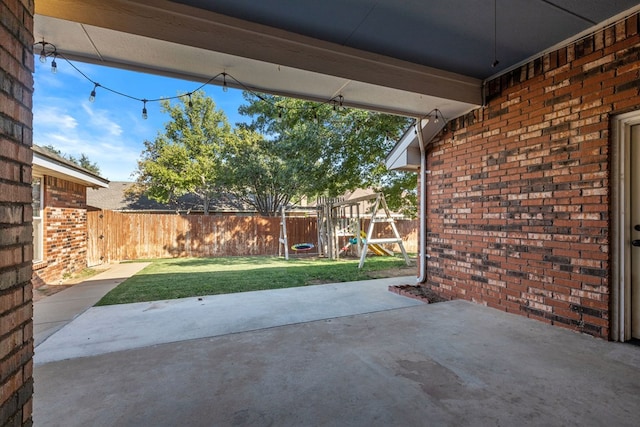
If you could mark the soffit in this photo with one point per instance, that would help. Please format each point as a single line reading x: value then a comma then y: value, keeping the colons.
x: 401, y: 56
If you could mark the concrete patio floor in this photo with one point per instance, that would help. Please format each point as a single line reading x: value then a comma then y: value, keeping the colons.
x: 452, y: 363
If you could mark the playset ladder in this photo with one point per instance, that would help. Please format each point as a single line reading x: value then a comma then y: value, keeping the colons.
x: 382, y: 203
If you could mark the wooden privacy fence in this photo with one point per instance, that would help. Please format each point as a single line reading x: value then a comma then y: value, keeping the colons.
x: 115, y: 236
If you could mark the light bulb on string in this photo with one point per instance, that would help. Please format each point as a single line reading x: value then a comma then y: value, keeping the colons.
x: 144, y: 109
x: 92, y: 96
x: 225, y: 88
x: 190, y: 101
x: 54, y: 64
x: 43, y: 55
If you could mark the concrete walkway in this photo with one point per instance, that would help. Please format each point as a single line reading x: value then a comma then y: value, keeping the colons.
x: 52, y: 313
x: 100, y: 330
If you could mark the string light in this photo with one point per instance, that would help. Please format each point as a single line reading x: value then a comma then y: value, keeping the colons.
x: 48, y: 49
x: 436, y: 120
x: 92, y: 96
x: 434, y: 116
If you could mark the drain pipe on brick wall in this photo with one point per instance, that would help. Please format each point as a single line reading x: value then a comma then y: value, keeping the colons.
x: 422, y: 250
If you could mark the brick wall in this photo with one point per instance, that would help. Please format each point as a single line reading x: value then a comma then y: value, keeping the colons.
x: 16, y: 329
x: 518, y: 195
x: 64, y: 230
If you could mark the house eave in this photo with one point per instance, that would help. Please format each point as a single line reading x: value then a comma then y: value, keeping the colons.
x: 44, y: 165
x: 405, y: 155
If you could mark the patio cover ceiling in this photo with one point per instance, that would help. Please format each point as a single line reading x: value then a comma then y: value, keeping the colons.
x: 405, y: 57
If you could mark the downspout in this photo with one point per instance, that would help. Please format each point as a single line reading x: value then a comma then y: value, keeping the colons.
x: 422, y: 250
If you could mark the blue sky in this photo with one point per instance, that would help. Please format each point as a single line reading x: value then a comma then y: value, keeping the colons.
x: 111, y: 130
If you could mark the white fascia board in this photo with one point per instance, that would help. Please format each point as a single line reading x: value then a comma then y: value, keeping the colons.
x: 50, y: 167
x: 406, y: 154
x: 396, y: 158
x: 406, y: 160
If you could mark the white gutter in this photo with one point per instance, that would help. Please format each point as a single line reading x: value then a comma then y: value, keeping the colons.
x: 422, y: 251
x: 426, y: 128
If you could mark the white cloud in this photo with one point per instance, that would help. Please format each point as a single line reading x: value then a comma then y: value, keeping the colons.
x: 87, y: 130
x: 117, y: 159
x: 53, y: 117
x: 100, y: 120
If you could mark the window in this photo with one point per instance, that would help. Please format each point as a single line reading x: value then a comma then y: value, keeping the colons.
x: 36, y: 194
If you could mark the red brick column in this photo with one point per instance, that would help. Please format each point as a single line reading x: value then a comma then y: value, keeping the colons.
x: 16, y: 327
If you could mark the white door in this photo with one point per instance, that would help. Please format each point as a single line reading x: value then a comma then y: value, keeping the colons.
x: 635, y: 232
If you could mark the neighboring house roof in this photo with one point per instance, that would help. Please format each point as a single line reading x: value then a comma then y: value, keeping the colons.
x: 358, y: 193
x: 119, y: 197
x: 363, y: 197
x: 46, y: 162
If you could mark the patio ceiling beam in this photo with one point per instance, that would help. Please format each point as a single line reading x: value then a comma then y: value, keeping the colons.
x: 189, y: 26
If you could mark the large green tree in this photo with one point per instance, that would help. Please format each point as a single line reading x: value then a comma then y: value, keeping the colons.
x: 328, y: 149
x: 291, y: 148
x: 187, y: 157
x: 258, y: 174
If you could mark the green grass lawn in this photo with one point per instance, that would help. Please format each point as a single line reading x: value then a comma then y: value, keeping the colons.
x: 188, y: 277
